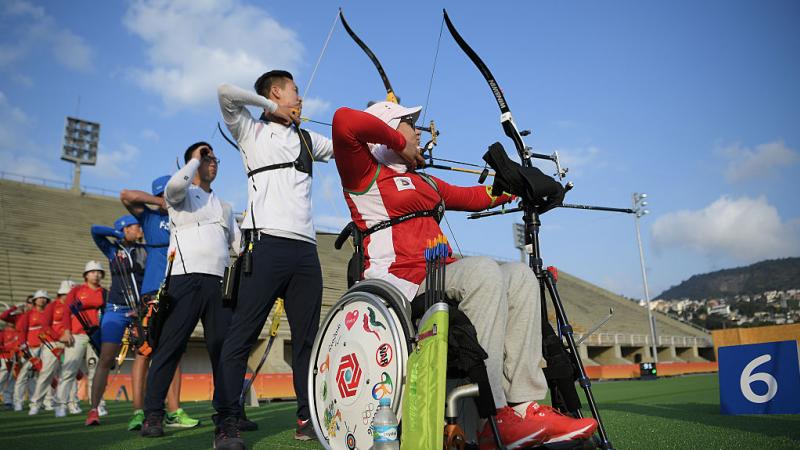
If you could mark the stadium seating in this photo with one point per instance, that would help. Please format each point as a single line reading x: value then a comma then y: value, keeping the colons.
x: 44, y: 237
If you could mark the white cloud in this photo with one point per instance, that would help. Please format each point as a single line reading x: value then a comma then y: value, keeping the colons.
x: 31, y: 28
x: 22, y: 8
x: 150, y: 135
x: 337, y: 215
x: 18, y: 153
x: 314, y: 108
x: 193, y: 46
x: 746, y: 163
x: 28, y: 166
x: 9, y: 54
x: 22, y: 80
x: 577, y: 159
x: 14, y: 124
x: 565, y: 124
x: 331, y: 188
x: 746, y: 229
x: 72, y: 52
x: 116, y: 164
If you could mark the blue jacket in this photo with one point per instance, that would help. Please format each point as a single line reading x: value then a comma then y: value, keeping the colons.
x: 156, y: 233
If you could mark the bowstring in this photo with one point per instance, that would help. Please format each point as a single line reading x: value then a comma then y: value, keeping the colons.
x: 305, y: 93
x: 433, y: 72
x: 319, y: 59
x: 425, y: 115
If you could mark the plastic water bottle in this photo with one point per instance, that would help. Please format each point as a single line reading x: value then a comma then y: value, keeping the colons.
x: 384, y: 427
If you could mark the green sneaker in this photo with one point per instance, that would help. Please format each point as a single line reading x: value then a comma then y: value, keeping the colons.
x: 179, y: 419
x: 136, y: 421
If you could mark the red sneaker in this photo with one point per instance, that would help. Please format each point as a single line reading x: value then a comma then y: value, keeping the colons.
x: 515, y: 432
x: 93, y: 418
x: 558, y: 427
x: 540, y: 425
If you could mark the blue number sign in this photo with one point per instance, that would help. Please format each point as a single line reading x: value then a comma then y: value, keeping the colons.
x: 760, y: 378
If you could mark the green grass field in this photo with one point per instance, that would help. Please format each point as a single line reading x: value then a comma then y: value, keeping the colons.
x: 671, y: 413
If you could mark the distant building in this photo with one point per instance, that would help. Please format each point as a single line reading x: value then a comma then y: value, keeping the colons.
x: 722, y: 310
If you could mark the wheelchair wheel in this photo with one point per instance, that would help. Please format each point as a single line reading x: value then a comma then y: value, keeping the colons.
x: 359, y: 357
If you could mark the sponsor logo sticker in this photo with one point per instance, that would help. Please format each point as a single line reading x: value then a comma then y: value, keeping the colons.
x: 403, y: 183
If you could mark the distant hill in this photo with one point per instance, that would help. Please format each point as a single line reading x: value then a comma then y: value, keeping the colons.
x: 770, y: 275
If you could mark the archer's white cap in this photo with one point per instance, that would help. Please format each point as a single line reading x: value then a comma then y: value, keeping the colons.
x: 41, y: 293
x: 65, y: 287
x: 93, y: 265
x: 391, y: 113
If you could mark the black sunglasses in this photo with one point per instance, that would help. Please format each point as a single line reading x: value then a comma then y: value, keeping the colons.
x: 408, y: 120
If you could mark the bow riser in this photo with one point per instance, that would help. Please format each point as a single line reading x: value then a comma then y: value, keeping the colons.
x: 511, y: 130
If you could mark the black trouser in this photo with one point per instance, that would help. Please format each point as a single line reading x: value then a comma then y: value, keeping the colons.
x: 192, y: 296
x: 284, y: 268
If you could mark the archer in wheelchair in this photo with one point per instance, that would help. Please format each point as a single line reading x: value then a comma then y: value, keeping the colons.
x: 384, y: 337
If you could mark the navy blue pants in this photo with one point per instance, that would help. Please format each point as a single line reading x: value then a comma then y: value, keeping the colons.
x: 193, y: 297
x: 284, y: 268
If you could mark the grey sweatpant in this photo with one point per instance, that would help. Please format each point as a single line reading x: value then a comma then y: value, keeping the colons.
x: 503, y: 303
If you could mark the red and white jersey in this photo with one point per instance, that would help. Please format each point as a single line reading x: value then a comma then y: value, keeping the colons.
x: 9, y: 341
x: 375, y: 193
x: 10, y: 336
x: 30, y: 325
x: 93, y: 300
x: 57, y: 319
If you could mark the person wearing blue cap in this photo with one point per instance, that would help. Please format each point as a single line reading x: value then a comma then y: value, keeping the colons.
x: 126, y: 258
x: 151, y: 212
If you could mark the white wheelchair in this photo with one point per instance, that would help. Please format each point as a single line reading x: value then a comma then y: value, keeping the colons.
x: 359, y: 357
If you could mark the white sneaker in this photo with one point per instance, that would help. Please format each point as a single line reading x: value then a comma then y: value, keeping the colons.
x: 18, y: 406
x: 101, y: 410
x: 34, y: 410
x: 74, y: 409
x: 60, y: 411
x: 48, y: 407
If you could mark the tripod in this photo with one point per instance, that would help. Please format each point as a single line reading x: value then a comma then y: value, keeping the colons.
x: 562, y: 391
x: 561, y: 377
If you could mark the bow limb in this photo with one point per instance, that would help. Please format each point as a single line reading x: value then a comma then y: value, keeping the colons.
x: 390, y: 95
x: 225, y: 136
x: 506, y: 119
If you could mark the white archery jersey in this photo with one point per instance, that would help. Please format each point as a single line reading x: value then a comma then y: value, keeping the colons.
x: 278, y: 201
x: 202, y: 226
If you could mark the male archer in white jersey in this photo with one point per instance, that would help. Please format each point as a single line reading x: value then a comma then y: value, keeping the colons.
x: 278, y: 157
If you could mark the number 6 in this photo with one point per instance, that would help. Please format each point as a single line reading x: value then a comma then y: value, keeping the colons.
x: 748, y: 378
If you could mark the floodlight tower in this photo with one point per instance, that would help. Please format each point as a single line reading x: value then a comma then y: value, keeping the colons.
x: 519, y: 240
x: 638, y: 211
x: 81, y: 139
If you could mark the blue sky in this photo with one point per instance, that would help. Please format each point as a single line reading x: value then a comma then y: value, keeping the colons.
x: 694, y: 103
